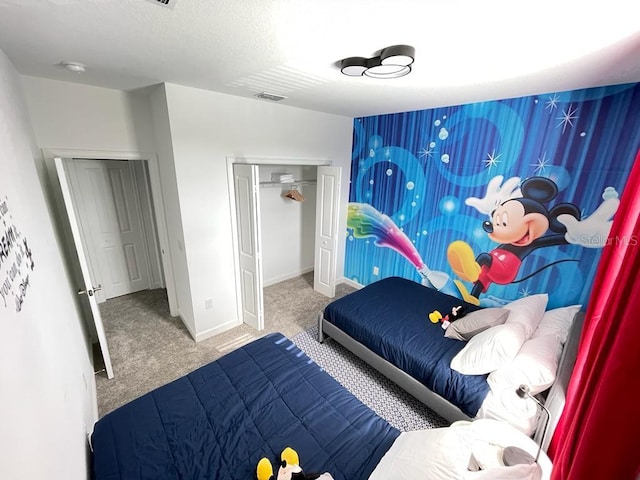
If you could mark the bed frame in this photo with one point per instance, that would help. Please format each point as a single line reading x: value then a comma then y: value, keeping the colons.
x: 554, y: 401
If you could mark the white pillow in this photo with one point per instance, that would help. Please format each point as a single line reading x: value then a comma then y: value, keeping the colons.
x: 527, y: 311
x: 491, y: 349
x: 535, y: 365
x: 557, y: 322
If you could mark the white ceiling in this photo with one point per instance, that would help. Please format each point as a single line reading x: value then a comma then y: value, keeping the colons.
x: 466, y: 50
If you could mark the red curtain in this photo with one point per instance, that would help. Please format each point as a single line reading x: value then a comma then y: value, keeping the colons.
x: 598, y: 435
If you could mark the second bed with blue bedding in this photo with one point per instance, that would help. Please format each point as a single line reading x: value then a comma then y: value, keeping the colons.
x: 218, y: 421
x: 390, y: 318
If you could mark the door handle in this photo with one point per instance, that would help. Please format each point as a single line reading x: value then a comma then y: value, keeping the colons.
x: 91, y: 291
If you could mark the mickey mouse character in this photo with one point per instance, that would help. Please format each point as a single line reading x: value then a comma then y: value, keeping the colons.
x: 289, y: 468
x: 519, y: 225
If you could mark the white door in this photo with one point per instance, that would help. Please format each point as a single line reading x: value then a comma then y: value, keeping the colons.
x: 109, y: 217
x: 326, y: 241
x: 248, y: 218
x: 87, y: 291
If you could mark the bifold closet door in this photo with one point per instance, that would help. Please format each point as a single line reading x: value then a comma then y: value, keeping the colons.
x: 326, y: 241
x: 249, y: 249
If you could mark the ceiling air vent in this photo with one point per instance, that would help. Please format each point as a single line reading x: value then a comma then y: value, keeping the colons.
x: 164, y: 3
x: 270, y: 96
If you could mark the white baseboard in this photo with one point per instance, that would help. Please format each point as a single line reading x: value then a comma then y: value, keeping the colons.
x: 287, y: 276
x: 217, y: 330
x: 351, y: 283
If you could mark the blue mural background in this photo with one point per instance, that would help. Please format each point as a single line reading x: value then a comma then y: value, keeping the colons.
x: 418, y: 168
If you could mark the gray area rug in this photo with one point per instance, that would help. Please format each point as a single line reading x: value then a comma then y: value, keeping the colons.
x: 372, y: 388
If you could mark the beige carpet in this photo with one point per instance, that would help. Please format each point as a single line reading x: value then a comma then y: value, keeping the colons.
x: 149, y: 348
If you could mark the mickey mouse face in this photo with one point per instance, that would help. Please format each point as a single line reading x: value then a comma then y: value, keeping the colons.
x: 511, y: 224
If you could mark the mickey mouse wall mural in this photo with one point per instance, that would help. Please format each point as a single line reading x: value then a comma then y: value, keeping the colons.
x: 520, y: 221
x: 492, y: 201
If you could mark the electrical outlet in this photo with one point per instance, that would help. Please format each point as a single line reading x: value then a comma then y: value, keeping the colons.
x: 376, y: 271
x: 208, y: 304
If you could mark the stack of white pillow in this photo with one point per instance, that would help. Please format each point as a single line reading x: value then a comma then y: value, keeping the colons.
x: 525, y: 348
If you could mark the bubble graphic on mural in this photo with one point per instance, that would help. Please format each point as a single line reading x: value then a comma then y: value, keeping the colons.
x: 583, y: 134
x: 432, y: 144
x: 371, y: 182
x: 449, y: 205
x: 424, y: 232
x: 375, y: 142
x: 479, y: 234
x: 437, y: 123
x: 443, y: 134
x: 559, y: 175
x: 413, y: 204
x: 444, y: 158
x: 397, y: 166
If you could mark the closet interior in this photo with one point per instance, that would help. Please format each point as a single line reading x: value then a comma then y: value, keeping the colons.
x: 287, y: 220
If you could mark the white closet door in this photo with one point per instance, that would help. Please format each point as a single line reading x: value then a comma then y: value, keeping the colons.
x: 88, y: 290
x: 327, y: 208
x: 248, y: 217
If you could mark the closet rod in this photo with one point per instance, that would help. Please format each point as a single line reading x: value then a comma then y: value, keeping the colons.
x: 288, y: 184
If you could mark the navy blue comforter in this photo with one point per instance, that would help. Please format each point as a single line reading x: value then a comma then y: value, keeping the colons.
x: 218, y: 421
x: 390, y: 317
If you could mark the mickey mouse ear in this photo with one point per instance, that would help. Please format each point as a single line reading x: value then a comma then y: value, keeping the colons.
x: 541, y: 189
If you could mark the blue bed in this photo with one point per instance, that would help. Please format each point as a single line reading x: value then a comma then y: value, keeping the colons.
x: 218, y: 421
x: 386, y: 323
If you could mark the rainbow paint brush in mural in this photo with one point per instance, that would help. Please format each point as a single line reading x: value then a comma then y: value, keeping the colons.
x: 366, y: 221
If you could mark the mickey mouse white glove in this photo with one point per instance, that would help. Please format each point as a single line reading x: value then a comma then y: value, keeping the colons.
x: 593, y: 231
x: 496, y: 194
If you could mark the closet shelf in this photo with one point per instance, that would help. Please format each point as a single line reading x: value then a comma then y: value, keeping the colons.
x: 296, y: 183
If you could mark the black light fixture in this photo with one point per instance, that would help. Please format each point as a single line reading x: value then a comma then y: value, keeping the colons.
x: 393, y: 62
x: 515, y: 455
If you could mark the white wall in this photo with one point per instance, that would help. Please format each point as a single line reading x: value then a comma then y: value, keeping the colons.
x: 192, y: 131
x: 287, y: 226
x: 48, y: 391
x: 164, y: 148
x: 206, y: 127
x: 81, y: 117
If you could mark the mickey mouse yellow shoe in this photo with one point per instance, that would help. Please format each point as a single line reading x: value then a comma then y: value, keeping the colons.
x: 264, y: 471
x: 289, y: 457
x: 463, y: 261
x: 290, y: 464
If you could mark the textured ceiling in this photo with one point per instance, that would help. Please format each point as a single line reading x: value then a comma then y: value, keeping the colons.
x: 466, y: 51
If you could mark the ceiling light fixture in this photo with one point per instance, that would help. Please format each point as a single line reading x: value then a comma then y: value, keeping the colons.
x: 74, y: 67
x: 393, y: 62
